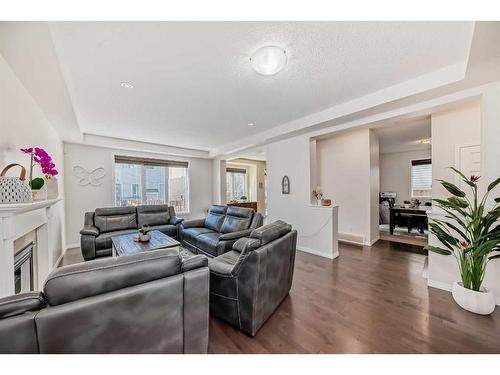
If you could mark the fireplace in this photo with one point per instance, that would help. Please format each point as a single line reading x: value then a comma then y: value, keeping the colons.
x: 23, y: 269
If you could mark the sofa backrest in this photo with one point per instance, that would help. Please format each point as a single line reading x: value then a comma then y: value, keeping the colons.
x: 83, y: 280
x: 215, y: 217
x: 115, y: 218
x: 270, y: 232
x: 237, y: 219
x: 153, y: 215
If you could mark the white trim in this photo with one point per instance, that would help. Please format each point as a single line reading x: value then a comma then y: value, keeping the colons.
x: 352, y: 238
x: 316, y: 252
x: 370, y: 243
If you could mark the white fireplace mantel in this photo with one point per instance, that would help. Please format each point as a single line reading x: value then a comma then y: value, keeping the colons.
x: 16, y: 220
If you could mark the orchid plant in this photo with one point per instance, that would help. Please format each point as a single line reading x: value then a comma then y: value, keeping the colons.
x: 471, y: 234
x: 317, y: 193
x: 44, y: 160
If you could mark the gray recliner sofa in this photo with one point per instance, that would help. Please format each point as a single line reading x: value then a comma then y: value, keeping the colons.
x: 249, y: 282
x: 152, y: 302
x: 215, y: 234
x: 103, y: 224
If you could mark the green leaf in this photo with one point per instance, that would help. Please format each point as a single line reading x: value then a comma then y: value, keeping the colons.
x: 485, y: 248
x: 494, y: 257
x: 460, y: 202
x: 442, y: 235
x: 465, y: 179
x: 497, y: 200
x: 493, y: 184
x: 439, y: 250
x: 453, y: 189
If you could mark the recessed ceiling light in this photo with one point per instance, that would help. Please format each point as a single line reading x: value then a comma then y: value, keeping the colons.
x: 127, y: 85
x: 251, y: 124
x: 268, y: 60
x: 426, y: 141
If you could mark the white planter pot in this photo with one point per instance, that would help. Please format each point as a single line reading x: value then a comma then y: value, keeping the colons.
x: 52, y: 188
x: 144, y: 237
x: 40, y: 194
x: 477, y: 302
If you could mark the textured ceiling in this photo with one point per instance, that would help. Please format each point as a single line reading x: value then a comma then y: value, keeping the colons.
x: 404, y: 135
x: 194, y: 87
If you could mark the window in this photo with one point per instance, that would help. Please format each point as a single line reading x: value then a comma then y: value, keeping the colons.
x: 421, y: 178
x: 236, y: 183
x: 150, y: 181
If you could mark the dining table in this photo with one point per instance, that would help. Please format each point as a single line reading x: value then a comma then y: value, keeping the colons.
x: 417, y: 212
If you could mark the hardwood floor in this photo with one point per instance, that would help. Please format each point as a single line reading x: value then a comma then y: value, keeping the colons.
x: 369, y: 300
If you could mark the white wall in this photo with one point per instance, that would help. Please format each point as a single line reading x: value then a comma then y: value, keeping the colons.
x: 373, y: 220
x: 23, y: 124
x: 395, y: 172
x: 81, y: 199
x: 316, y: 226
x: 344, y: 176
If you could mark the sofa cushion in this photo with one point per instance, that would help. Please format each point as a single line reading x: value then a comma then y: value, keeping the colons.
x: 215, y: 217
x: 270, y: 232
x: 208, y: 242
x: 169, y: 230
x: 190, y: 234
x: 81, y: 280
x: 153, y: 215
x: 103, y: 241
x: 115, y: 218
x: 237, y: 218
x: 20, y: 303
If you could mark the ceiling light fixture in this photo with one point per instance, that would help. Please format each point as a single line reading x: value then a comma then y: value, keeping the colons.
x: 127, y: 85
x: 268, y: 60
x: 251, y: 124
x: 426, y: 141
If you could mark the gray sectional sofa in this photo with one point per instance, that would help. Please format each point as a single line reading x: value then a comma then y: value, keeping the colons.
x: 249, y: 282
x: 218, y: 231
x: 100, y: 226
x: 152, y: 302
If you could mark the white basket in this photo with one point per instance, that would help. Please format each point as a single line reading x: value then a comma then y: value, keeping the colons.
x: 14, y: 189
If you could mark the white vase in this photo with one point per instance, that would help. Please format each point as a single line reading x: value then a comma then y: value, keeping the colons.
x: 482, y: 302
x: 318, y: 202
x: 39, y: 194
x: 52, y: 188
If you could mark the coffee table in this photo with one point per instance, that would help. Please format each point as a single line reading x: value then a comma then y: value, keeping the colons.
x: 125, y: 244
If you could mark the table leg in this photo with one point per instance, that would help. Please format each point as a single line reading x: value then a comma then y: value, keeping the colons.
x: 391, y: 222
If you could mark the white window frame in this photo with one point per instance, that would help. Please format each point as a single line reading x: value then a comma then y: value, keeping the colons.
x: 411, y: 181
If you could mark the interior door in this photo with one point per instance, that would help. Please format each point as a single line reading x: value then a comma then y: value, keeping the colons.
x: 468, y: 162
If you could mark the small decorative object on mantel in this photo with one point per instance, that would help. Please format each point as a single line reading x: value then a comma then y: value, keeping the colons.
x: 470, y: 233
x: 144, y: 235
x: 89, y: 178
x: 243, y: 198
x: 14, y: 189
x: 317, y: 194
x: 285, y: 185
x: 42, y: 188
x: 326, y: 202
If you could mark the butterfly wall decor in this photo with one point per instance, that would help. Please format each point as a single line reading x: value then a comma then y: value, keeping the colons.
x: 89, y: 178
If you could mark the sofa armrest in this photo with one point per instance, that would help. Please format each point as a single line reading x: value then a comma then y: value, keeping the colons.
x: 220, y: 268
x: 235, y: 235
x: 194, y: 262
x: 194, y: 223
x: 176, y: 220
x: 90, y: 230
x: 21, y: 303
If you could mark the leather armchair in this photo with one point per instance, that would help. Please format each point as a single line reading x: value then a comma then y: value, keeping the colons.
x: 249, y: 282
x: 100, y: 226
x: 151, y: 302
x: 218, y: 231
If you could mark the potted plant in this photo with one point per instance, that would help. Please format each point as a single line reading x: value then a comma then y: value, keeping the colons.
x: 42, y: 188
x: 144, y: 235
x: 317, y: 194
x: 471, y: 234
x: 243, y: 198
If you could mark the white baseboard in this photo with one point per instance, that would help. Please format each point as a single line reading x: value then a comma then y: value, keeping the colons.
x: 447, y: 287
x: 316, y: 252
x: 352, y: 238
x: 372, y: 241
x: 72, y: 245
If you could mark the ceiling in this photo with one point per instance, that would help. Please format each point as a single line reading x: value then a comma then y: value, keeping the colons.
x: 404, y: 135
x: 194, y: 86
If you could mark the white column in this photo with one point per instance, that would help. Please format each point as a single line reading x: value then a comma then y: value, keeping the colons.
x: 42, y: 249
x: 6, y: 262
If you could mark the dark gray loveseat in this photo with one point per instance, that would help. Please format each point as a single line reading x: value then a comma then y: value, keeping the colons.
x: 105, y: 223
x: 215, y: 234
x: 249, y: 282
x: 152, y: 302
